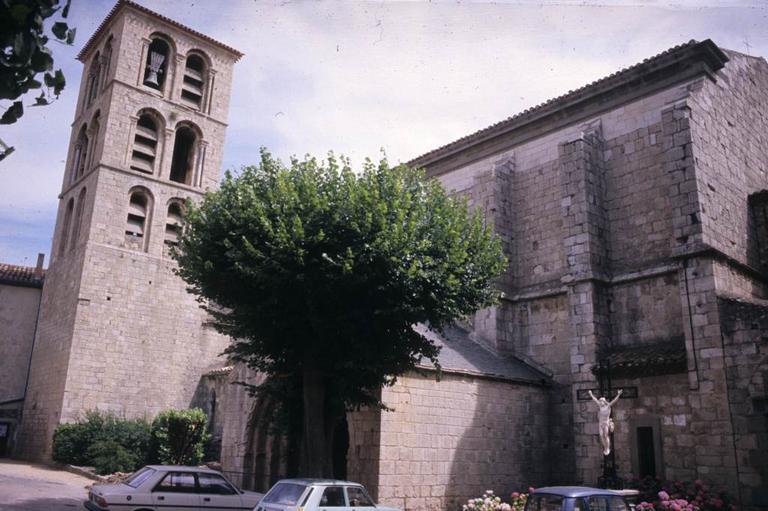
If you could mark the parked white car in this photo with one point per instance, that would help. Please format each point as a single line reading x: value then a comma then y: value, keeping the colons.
x: 318, y: 495
x: 171, y: 488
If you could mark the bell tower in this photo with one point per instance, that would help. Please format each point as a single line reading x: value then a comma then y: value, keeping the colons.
x: 117, y: 329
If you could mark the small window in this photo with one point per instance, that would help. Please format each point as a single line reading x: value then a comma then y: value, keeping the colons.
x: 173, y: 224
x: 145, y: 145
x: 545, y: 503
x: 65, y: 227
x: 106, y: 62
x: 183, y: 155
x: 177, y: 482
x: 212, y: 483
x: 157, y: 64
x: 333, y: 496
x: 358, y: 498
x: 94, y: 75
x: 137, y: 216
x: 80, y: 155
x: 284, y: 494
x: 77, y: 227
x: 194, y: 80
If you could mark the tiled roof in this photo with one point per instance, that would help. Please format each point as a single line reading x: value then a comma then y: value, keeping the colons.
x: 705, y: 50
x: 20, y: 275
x: 128, y: 3
x: 639, y: 360
x: 460, y: 353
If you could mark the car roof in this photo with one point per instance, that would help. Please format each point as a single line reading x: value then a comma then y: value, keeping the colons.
x: 574, y: 491
x: 185, y: 468
x: 318, y: 482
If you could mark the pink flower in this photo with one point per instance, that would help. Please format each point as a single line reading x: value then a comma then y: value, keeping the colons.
x: 663, y: 495
x: 515, y: 495
x: 530, y: 489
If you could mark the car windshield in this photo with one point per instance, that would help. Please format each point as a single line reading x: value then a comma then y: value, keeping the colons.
x: 135, y: 479
x: 284, y: 494
x: 544, y: 503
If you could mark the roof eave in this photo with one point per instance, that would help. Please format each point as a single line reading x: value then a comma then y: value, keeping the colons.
x: 693, y: 60
x: 82, y: 56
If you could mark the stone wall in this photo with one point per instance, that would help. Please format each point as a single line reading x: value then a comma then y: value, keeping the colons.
x: 745, y: 336
x: 18, y: 316
x: 446, y: 441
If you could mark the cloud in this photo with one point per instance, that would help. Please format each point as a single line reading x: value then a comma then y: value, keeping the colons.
x: 359, y: 76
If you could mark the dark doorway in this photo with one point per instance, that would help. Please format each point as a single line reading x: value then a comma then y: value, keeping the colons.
x: 646, y: 454
x: 183, y: 149
x: 5, y: 434
x: 340, y: 447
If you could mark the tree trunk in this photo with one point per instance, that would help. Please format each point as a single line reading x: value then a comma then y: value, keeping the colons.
x: 314, y: 460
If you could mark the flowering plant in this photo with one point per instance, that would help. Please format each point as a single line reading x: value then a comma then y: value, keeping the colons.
x: 491, y: 502
x: 681, y: 496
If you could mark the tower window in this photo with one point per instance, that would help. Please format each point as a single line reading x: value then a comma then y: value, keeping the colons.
x: 173, y: 224
x: 77, y: 226
x: 94, y: 74
x: 144, y: 145
x: 80, y: 155
x: 135, y: 228
x: 66, y: 226
x: 183, y: 155
x: 194, y: 80
x: 106, y: 62
x: 157, y: 64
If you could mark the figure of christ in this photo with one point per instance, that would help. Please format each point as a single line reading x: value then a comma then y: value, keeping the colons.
x: 604, y: 421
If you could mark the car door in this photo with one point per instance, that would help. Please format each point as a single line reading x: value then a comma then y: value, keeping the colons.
x: 333, y: 498
x: 358, y: 498
x: 216, y: 494
x: 177, y: 491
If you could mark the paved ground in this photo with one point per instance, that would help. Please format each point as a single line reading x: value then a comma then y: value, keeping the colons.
x: 26, y: 487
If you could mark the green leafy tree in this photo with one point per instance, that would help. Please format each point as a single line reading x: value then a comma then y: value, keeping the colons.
x: 179, y: 436
x: 26, y: 61
x: 320, y: 274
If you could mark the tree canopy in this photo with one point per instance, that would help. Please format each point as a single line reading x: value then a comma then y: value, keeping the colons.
x: 319, y: 274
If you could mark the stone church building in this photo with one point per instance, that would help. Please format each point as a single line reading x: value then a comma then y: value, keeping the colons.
x: 634, y: 213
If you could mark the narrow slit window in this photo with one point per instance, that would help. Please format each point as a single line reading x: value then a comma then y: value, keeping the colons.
x: 157, y: 64
x: 66, y: 225
x: 94, y: 74
x: 80, y: 155
x: 77, y: 226
x: 193, y: 83
x: 173, y: 224
x: 183, y: 155
x: 145, y: 145
x: 106, y: 63
x: 137, y: 216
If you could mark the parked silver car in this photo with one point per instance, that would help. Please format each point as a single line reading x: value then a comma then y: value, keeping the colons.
x: 318, y: 495
x: 171, y: 488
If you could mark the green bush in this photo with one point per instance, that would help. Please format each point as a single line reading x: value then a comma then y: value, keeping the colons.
x: 179, y: 436
x: 73, y: 443
x: 108, y: 457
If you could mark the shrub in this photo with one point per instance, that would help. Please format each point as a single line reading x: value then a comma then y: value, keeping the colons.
x: 108, y: 457
x: 179, y: 436
x: 72, y: 443
x: 491, y: 502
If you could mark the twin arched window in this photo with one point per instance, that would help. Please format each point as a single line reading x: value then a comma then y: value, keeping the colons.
x: 70, y: 231
x: 139, y: 217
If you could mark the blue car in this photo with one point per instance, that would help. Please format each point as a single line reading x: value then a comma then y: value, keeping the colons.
x: 575, y: 498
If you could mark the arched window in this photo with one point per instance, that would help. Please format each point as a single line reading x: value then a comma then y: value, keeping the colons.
x: 80, y: 155
x: 106, y: 62
x: 77, y: 226
x: 94, y: 73
x: 194, y: 80
x: 157, y: 64
x: 145, y: 144
x: 94, y: 139
x: 66, y: 225
x: 183, y: 155
x: 136, y: 226
x: 174, y: 223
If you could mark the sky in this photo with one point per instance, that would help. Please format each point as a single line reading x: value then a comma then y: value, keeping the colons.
x: 361, y: 77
